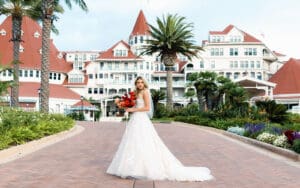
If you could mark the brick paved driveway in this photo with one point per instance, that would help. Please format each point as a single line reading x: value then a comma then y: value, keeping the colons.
x: 81, y: 161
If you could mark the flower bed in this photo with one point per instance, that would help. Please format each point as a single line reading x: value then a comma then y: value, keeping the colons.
x: 18, y: 127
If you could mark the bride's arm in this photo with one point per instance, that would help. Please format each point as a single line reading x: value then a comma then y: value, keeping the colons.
x: 146, y: 107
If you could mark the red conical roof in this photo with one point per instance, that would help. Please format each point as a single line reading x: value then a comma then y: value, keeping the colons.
x: 31, y: 57
x: 141, y: 27
x: 287, y: 78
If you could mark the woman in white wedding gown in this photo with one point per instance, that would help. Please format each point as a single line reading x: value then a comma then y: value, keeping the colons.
x: 143, y: 155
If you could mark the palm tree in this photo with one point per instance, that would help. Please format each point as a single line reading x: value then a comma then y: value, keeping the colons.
x: 17, y: 9
x: 157, y: 95
x: 172, y: 37
x: 206, y: 87
x: 48, y: 8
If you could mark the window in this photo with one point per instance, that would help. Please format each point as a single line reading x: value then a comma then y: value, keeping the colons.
x: 201, y: 64
x: 250, y: 51
x: 233, y: 52
x: 116, y: 65
x: 58, y: 76
x: 221, y: 52
x: 231, y: 64
x: 90, y: 76
x: 147, y: 65
x: 212, y: 64
x: 236, y: 64
x: 242, y: 64
x: 135, y: 39
x: 252, y: 74
x: 100, y: 90
x: 246, y: 64
x: 37, y: 74
x: 20, y: 73
x: 126, y: 66
x: 252, y: 64
x: 109, y: 64
x: 135, y: 65
x: 258, y: 64
x: 95, y: 90
x: 30, y: 73
x: 141, y: 39
x: 212, y: 52
x: 236, y: 75
x: 9, y: 73
x: 101, y: 65
x: 25, y: 73
x: 101, y: 75
x: 141, y: 66
x: 50, y: 76
x: 259, y: 76
x: 96, y: 76
x: 4, y: 73
x: 90, y: 91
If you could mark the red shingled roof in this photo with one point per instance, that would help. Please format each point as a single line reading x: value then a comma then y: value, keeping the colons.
x: 31, y: 57
x: 30, y: 89
x: 287, y: 78
x: 83, y: 103
x: 109, y: 54
x: 247, y: 36
x: 141, y: 27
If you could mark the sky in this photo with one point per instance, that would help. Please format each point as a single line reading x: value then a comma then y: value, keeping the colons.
x: 275, y: 22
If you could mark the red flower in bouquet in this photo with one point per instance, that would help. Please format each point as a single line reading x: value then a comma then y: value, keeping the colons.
x: 126, y: 101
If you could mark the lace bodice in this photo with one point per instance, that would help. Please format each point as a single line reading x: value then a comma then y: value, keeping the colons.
x: 140, y: 103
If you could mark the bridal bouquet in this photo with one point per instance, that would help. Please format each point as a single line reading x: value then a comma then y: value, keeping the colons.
x: 126, y: 101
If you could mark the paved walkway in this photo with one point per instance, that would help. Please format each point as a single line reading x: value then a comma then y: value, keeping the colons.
x: 81, y: 161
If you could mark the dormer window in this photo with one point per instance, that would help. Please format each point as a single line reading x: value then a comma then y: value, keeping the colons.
x: 22, y: 32
x: 36, y: 34
x: 60, y: 55
x: 3, y: 32
x: 120, y: 53
x: 21, y: 49
x: 40, y: 51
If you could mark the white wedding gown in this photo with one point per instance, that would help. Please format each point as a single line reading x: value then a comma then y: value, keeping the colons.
x: 143, y: 155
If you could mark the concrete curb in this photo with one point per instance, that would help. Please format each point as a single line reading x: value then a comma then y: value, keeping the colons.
x: 277, y: 150
x: 280, y: 151
x: 20, y: 151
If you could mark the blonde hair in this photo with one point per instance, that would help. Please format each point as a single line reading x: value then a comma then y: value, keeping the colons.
x: 137, y: 91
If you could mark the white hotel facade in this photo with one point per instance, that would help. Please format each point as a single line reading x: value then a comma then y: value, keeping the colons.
x: 232, y: 53
x: 102, y: 75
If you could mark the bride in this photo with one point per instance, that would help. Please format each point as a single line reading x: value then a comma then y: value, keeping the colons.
x: 142, y: 154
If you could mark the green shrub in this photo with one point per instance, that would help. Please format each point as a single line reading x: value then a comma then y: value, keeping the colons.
x: 17, y: 126
x: 296, y: 145
x: 294, y: 118
x: 161, y: 111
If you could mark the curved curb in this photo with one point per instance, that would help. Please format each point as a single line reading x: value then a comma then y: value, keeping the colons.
x: 277, y: 150
x: 280, y: 151
x: 20, y: 151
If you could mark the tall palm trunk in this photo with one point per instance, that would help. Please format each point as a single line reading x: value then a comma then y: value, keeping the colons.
x: 46, y: 31
x: 169, y: 88
x: 16, y: 38
x: 169, y: 61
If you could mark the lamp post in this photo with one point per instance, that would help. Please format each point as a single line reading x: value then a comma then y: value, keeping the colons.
x: 81, y: 98
x: 39, y: 92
